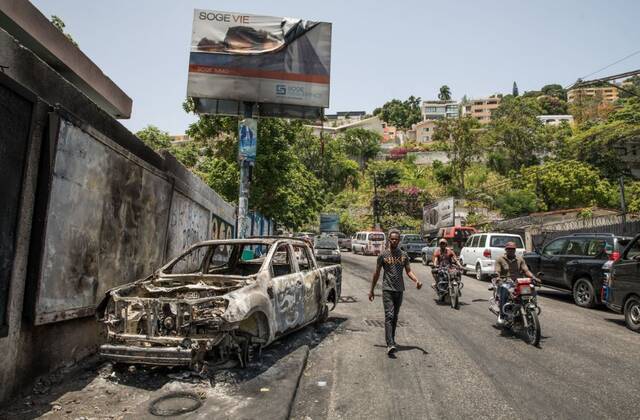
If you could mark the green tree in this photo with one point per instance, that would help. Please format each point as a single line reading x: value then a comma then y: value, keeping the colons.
x: 552, y: 105
x: 516, y: 203
x: 445, y: 93
x: 60, y: 25
x: 155, y: 138
x: 514, y: 91
x: 400, y: 114
x: 514, y: 136
x: 464, y: 138
x: 361, y: 144
x: 568, y: 184
x: 631, y: 86
x: 555, y: 90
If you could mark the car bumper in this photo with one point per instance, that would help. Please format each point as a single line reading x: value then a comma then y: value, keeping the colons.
x: 168, y: 356
x: 329, y: 258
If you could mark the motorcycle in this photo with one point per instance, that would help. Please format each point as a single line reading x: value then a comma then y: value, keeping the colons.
x: 521, y: 308
x: 448, y: 283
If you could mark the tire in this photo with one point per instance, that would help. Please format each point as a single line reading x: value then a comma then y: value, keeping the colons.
x: 479, y: 275
x: 583, y: 293
x: 425, y: 262
x: 464, y: 270
x: 632, y: 313
x: 455, y: 303
x: 323, y: 316
x: 532, y: 333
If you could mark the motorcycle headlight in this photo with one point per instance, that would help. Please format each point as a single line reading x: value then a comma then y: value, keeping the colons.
x: 207, y: 310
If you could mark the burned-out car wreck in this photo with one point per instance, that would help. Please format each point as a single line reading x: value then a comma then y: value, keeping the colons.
x: 218, y: 301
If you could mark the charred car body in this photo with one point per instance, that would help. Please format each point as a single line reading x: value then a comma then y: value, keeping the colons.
x: 217, y: 301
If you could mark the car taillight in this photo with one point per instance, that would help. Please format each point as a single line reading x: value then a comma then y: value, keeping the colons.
x: 614, y: 256
x: 487, y: 253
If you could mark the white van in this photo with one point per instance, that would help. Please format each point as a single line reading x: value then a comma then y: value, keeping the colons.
x: 481, y: 250
x: 368, y: 243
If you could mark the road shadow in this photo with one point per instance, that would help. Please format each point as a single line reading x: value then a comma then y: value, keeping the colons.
x: 510, y: 334
x: 617, y: 321
x: 41, y: 398
x: 400, y: 348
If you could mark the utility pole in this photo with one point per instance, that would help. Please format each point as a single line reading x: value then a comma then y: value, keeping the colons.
x: 623, y: 203
x: 247, y: 144
x: 376, y: 220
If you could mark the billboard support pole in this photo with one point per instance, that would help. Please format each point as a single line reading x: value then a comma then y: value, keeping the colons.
x: 245, y: 180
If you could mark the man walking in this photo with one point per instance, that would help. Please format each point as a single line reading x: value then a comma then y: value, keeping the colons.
x: 393, y: 261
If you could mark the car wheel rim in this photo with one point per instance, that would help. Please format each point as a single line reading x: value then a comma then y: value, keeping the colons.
x: 478, y: 272
x: 583, y: 295
x: 634, y: 313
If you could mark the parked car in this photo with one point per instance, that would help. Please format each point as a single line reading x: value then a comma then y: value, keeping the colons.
x: 622, y: 287
x: 343, y: 240
x: 427, y: 252
x: 574, y: 263
x: 327, y: 249
x: 481, y: 251
x: 412, y: 244
x: 307, y: 236
x: 368, y: 243
x: 218, y: 300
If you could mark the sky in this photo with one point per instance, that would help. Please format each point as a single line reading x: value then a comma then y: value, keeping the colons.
x: 380, y: 50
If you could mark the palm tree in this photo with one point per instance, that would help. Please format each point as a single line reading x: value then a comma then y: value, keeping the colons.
x: 445, y: 93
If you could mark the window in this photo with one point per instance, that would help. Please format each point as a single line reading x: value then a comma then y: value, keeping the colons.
x: 483, y: 241
x: 191, y: 262
x: 500, y: 241
x: 430, y: 109
x: 302, y: 255
x: 576, y: 247
x: 633, y: 251
x: 281, y: 262
x: 474, y: 241
x: 219, y: 257
x: 555, y: 248
x: 595, y: 247
x: 469, y: 241
x: 425, y: 129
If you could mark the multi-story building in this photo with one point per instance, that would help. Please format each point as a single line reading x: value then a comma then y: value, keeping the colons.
x: 345, y: 117
x: 424, y: 131
x: 179, y: 139
x: 555, y: 119
x: 374, y: 124
x: 481, y: 108
x: 437, y: 110
x: 606, y: 94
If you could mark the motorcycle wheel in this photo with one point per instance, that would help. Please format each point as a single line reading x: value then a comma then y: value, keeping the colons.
x: 532, y: 332
x: 455, y: 304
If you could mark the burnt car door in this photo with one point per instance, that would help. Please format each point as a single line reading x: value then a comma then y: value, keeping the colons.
x: 287, y: 294
x: 312, y: 282
x: 551, y: 263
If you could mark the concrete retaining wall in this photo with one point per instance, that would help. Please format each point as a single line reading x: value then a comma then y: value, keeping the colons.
x: 97, y: 208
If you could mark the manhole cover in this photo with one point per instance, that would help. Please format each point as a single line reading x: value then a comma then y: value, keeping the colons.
x: 380, y: 323
x: 347, y: 299
x: 175, y: 403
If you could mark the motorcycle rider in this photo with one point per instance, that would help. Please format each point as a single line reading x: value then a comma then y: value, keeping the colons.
x: 444, y: 256
x: 509, y: 267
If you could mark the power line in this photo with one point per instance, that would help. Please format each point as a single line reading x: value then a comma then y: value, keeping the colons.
x: 610, y: 65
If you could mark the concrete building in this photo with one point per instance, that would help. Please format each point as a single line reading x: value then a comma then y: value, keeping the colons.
x: 555, y: 119
x: 482, y: 108
x: 346, y: 117
x: 437, y: 110
x: 180, y: 139
x: 374, y: 124
x: 424, y: 131
x: 606, y: 94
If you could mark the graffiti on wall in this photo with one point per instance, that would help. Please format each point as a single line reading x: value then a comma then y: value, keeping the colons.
x: 220, y: 228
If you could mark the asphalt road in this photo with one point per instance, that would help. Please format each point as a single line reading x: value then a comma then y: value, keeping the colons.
x: 456, y: 364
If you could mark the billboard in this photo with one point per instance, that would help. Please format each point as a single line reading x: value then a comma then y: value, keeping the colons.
x: 283, y: 64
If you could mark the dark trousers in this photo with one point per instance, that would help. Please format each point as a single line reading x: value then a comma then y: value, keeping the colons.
x: 503, y: 295
x: 391, y: 301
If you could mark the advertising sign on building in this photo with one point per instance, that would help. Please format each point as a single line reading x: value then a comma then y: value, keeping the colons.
x: 283, y: 64
x: 248, y: 129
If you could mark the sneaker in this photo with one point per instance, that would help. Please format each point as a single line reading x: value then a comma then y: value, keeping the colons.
x: 391, y: 349
x: 500, y: 320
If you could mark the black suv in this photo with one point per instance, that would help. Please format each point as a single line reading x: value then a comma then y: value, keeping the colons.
x: 622, y: 293
x: 574, y: 263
